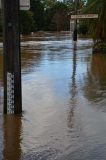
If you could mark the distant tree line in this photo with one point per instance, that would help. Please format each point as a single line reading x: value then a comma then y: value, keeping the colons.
x: 46, y: 15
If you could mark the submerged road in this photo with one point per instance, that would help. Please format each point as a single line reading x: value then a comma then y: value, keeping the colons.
x: 64, y: 102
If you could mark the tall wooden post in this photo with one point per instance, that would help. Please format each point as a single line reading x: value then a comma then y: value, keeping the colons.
x: 75, y: 27
x: 12, y: 60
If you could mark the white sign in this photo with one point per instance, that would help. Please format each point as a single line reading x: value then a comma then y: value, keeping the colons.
x: 84, y: 16
x: 24, y: 4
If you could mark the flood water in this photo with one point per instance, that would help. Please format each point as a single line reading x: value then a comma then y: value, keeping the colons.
x: 64, y: 102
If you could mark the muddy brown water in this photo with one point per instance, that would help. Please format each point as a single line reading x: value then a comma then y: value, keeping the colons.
x: 64, y: 102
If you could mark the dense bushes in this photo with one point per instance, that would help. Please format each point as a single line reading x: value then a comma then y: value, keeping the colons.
x: 27, y: 23
x: 83, y: 29
x: 45, y: 15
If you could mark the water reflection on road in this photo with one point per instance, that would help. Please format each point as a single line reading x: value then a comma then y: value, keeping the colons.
x: 64, y: 102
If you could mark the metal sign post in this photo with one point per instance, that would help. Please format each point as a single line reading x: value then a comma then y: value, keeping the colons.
x: 83, y: 16
x: 12, y: 59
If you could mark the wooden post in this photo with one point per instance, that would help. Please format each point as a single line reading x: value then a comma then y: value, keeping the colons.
x: 11, y: 137
x: 12, y: 59
x: 75, y: 28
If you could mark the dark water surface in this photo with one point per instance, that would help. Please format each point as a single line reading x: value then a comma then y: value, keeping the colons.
x: 64, y: 102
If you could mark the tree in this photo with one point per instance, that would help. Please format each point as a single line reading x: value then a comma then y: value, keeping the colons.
x: 97, y: 27
x: 27, y: 23
x: 37, y: 8
x: 58, y: 18
x: 48, y: 3
x: 83, y: 28
x: 76, y: 4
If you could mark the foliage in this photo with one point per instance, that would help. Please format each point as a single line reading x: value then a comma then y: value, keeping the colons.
x: 50, y: 15
x: 37, y: 8
x: 57, y: 17
x: 48, y: 3
x: 27, y: 23
x: 0, y: 23
x: 97, y: 27
x: 44, y: 15
x: 82, y: 29
x: 78, y: 5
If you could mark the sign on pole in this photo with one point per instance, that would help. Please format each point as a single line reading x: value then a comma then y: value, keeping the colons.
x: 24, y: 4
x: 12, y: 57
x: 84, y: 16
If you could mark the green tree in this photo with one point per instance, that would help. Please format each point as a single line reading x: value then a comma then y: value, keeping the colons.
x: 57, y: 17
x: 37, y: 8
x: 48, y: 3
x: 97, y: 27
x: 83, y: 28
x: 27, y: 23
x: 78, y: 5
